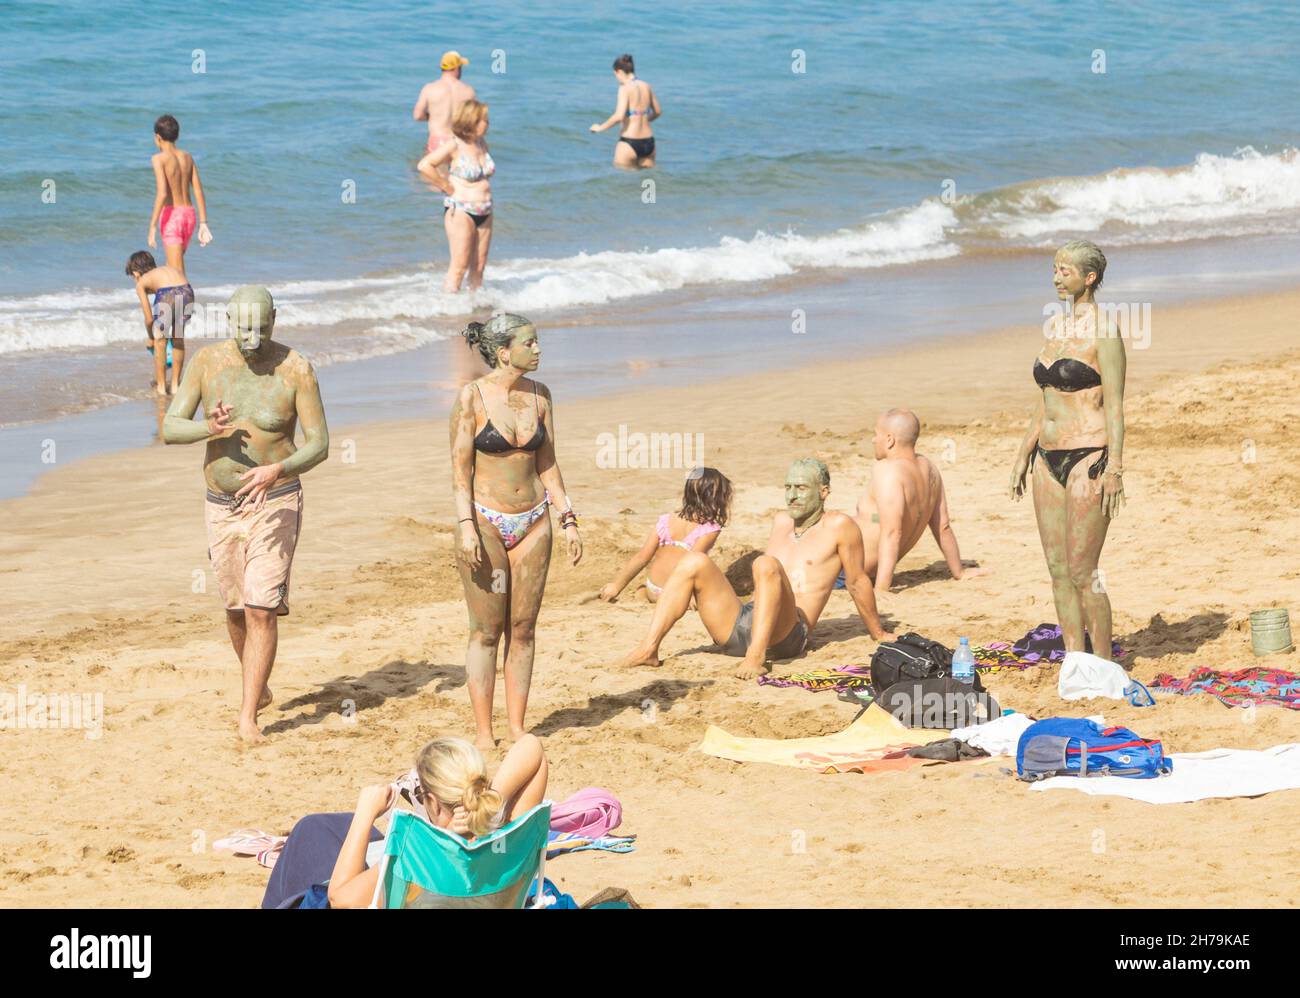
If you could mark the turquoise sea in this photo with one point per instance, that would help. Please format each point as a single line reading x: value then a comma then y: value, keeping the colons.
x: 883, y: 153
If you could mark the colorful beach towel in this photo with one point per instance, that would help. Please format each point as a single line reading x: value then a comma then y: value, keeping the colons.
x: 875, y: 742
x: 844, y: 677
x: 1042, y: 644
x: 1245, y: 687
x: 559, y: 843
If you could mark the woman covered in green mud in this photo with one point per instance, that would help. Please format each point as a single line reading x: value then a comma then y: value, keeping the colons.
x: 505, y: 478
x: 1075, y: 445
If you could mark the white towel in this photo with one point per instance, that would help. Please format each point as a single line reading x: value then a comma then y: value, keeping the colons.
x: 1001, y: 736
x: 1084, y: 676
x: 1198, y: 776
x: 998, y: 737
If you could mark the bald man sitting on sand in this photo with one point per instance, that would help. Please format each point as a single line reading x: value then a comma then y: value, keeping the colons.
x: 905, y: 496
x: 808, y: 546
x: 255, y: 393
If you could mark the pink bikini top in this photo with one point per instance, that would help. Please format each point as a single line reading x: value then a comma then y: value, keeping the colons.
x: 688, y: 542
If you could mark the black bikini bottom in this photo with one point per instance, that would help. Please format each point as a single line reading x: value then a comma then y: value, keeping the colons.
x: 1061, y: 462
x: 477, y: 219
x: 642, y: 147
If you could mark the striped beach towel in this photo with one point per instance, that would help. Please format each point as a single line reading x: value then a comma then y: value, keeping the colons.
x: 1255, y: 686
x: 844, y: 677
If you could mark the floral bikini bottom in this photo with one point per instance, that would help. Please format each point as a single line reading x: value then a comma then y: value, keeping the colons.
x: 514, y: 526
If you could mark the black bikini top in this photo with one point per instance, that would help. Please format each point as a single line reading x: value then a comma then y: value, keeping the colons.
x: 1066, y: 375
x: 490, y: 441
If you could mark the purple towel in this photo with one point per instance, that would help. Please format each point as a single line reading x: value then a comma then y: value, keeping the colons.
x: 1045, y: 643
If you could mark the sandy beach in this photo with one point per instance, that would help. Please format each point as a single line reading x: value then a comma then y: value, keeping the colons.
x: 106, y: 582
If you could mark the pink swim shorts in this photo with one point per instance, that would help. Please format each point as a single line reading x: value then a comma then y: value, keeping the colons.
x: 178, y: 224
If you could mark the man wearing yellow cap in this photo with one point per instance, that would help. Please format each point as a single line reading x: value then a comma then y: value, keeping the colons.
x: 438, y: 100
x: 255, y: 393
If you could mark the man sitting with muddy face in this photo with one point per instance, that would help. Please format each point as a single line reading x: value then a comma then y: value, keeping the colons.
x: 255, y: 393
x: 808, y: 547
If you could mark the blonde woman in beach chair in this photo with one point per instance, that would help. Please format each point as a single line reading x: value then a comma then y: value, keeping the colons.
x: 474, y: 842
x: 428, y: 867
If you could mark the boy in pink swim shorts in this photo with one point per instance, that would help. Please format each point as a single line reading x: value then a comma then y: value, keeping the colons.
x: 176, y: 175
x: 178, y: 224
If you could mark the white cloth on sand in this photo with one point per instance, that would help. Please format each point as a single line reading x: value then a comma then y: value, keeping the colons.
x: 1198, y: 776
x: 998, y: 737
x: 1083, y: 676
x: 1001, y: 736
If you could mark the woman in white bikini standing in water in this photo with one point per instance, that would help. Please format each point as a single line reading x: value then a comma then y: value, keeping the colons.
x: 637, y: 107
x: 505, y: 476
x: 1075, y: 446
x: 467, y: 208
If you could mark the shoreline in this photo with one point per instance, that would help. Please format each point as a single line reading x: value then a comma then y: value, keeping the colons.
x: 697, y: 336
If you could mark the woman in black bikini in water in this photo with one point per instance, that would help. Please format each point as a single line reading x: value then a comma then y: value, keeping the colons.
x: 637, y: 107
x: 1075, y: 446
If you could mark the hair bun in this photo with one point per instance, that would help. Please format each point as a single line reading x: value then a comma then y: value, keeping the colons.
x: 473, y: 333
x: 474, y: 789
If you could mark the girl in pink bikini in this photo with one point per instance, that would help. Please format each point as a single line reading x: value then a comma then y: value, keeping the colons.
x: 706, y: 504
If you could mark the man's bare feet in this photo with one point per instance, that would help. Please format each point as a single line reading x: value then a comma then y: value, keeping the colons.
x: 264, y: 700
x: 250, y: 733
x: 641, y: 658
x: 750, y: 669
x: 485, y: 743
x: 974, y: 573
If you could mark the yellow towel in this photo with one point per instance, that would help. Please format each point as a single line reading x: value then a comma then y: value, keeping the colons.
x: 874, y: 742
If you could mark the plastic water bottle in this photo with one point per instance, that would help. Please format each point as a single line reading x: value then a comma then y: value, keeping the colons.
x: 963, y: 663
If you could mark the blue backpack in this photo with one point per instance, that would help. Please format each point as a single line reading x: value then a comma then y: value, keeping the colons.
x: 1069, y: 746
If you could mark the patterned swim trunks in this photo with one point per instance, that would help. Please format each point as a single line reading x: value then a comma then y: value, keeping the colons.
x: 252, y: 551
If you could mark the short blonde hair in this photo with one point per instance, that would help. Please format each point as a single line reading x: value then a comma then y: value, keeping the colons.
x: 453, y: 771
x: 1088, y: 257
x: 466, y: 119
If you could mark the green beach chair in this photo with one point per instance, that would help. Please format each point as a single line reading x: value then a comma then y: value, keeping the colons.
x: 428, y: 867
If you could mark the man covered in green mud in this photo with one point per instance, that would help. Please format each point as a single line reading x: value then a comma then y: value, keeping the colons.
x: 255, y: 394
x: 808, y: 547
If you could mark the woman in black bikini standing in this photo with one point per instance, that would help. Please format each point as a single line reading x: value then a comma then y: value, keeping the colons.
x: 637, y: 107
x: 1075, y: 446
x: 505, y: 477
